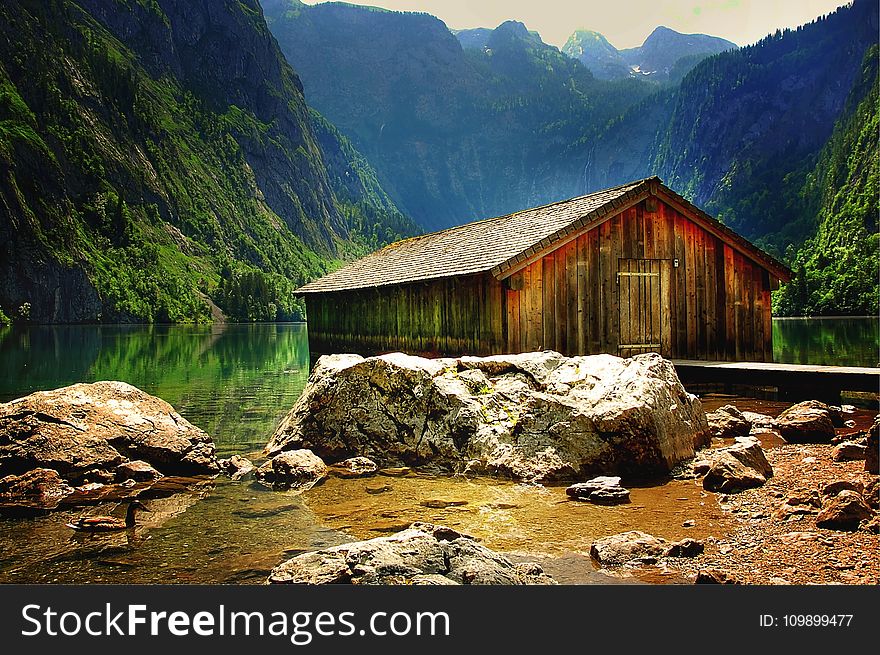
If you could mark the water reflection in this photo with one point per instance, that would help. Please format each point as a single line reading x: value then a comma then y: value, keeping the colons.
x: 827, y: 341
x: 233, y: 381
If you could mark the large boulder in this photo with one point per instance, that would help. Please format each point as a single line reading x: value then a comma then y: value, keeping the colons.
x: 90, y: 429
x: 422, y: 554
x: 808, y: 422
x: 740, y: 466
x: 535, y: 416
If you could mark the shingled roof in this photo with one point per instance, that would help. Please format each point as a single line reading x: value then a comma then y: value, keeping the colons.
x: 497, y: 244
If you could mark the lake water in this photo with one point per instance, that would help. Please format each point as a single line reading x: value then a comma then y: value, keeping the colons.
x: 827, y: 341
x: 237, y: 382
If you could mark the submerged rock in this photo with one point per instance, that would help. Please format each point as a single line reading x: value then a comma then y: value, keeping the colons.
x: 377, y: 488
x: 237, y: 467
x: 85, y: 431
x: 740, y: 466
x: 533, y: 416
x: 636, y: 547
x: 354, y: 467
x: 603, y: 490
x: 716, y: 576
x: 293, y: 469
x: 422, y: 554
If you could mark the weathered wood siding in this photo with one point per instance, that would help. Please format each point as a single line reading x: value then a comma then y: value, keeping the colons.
x: 714, y: 305
x: 445, y: 316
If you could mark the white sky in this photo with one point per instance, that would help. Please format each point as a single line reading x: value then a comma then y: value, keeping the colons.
x: 625, y: 23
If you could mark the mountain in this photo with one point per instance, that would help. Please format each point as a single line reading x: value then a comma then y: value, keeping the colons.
x: 665, y: 48
x: 158, y: 159
x: 473, y: 39
x: 595, y: 52
x: 746, y: 126
x: 837, y: 270
x: 743, y: 136
x: 665, y: 56
x: 454, y: 133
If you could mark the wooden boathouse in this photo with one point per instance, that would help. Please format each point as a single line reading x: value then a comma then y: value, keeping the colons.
x: 631, y: 269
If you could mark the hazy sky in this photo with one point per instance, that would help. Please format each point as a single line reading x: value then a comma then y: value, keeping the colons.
x: 625, y: 23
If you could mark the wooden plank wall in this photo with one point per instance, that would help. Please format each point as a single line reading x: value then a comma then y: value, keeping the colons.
x: 450, y: 316
x: 714, y: 305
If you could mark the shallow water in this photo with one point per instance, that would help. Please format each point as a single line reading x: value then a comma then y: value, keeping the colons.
x: 237, y: 382
x: 230, y: 532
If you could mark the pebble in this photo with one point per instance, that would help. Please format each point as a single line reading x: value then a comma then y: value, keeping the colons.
x: 377, y: 488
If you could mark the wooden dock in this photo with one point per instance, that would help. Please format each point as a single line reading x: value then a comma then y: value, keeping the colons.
x: 793, y: 381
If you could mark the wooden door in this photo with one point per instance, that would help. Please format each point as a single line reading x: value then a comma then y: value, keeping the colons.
x: 639, y: 284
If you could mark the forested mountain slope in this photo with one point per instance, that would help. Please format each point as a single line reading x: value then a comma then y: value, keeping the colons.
x: 454, y: 134
x: 837, y: 269
x: 158, y: 155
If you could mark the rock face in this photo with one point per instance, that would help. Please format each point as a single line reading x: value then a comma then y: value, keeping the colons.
x: 90, y: 429
x: 535, y: 416
x: 636, y: 547
x: 808, y: 422
x: 872, y: 451
x: 727, y: 422
x: 602, y: 491
x: 293, y: 469
x: 422, y: 554
x: 844, y: 512
x: 740, y: 466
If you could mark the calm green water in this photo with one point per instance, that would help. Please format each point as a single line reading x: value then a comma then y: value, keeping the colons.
x: 827, y: 341
x: 237, y: 382
x: 233, y: 381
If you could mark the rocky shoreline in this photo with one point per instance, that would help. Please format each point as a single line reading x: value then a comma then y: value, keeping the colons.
x: 799, y: 483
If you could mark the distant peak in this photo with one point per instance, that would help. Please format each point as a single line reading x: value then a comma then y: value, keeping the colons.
x: 512, y: 27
